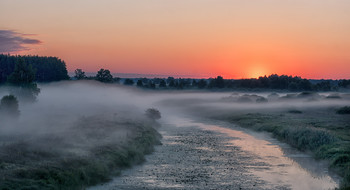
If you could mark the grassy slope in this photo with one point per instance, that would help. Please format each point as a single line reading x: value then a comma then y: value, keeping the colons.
x: 88, y: 154
x: 320, y: 131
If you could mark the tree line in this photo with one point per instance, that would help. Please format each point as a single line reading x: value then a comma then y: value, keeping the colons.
x: 46, y: 69
x: 271, y: 82
x: 23, y: 87
x: 21, y: 73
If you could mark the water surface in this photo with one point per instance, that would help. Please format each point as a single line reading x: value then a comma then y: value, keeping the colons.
x: 203, y: 155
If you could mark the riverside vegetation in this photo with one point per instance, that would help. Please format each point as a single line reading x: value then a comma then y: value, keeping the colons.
x: 52, y: 149
x: 322, y: 131
x: 90, y: 152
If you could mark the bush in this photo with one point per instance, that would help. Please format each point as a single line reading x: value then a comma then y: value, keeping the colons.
x: 104, y: 75
x: 9, y: 106
x: 153, y: 113
x: 295, y: 111
x: 344, y: 110
x: 128, y: 82
x: 261, y: 100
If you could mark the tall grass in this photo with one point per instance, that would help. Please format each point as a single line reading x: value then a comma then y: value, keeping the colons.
x: 324, y: 138
x: 25, y: 167
x: 305, y: 138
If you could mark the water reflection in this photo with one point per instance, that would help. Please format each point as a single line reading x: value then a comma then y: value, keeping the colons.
x: 282, y: 164
x: 200, y: 155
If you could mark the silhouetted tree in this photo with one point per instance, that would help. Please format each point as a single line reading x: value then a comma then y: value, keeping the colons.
x: 170, y: 79
x: 26, y: 93
x: 172, y: 84
x: 23, y: 73
x: 162, y: 84
x: 153, y: 113
x: 180, y: 84
x: 128, y: 82
x: 47, y: 68
x: 104, y: 75
x: 151, y: 84
x: 218, y: 82
x: 202, y: 84
x: 344, y: 83
x: 23, y: 78
x: 305, y: 84
x: 323, y: 86
x: 293, y: 86
x: 344, y: 110
x: 264, y: 81
x: 9, y: 106
x: 145, y: 80
x: 273, y: 81
x: 79, y: 74
x: 116, y: 79
x: 139, y: 83
x: 156, y: 80
x: 185, y: 83
x: 194, y: 83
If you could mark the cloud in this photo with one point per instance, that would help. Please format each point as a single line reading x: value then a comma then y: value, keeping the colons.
x: 11, y: 41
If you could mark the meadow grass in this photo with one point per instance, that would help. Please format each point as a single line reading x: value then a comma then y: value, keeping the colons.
x: 23, y: 165
x: 322, y: 132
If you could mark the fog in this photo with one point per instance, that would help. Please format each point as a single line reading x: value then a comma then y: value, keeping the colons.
x: 60, y: 104
x: 73, y: 118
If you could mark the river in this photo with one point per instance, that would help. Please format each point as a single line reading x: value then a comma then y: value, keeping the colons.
x: 209, y: 155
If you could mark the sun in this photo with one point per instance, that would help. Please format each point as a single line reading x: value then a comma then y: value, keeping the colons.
x: 256, y: 72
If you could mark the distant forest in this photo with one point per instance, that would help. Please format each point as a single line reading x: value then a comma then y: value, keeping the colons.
x: 272, y: 82
x: 49, y: 69
x: 46, y: 69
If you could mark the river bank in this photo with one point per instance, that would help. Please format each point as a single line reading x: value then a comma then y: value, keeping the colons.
x: 90, y: 152
x: 320, y: 131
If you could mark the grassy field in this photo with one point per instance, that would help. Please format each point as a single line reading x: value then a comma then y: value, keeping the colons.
x: 88, y: 153
x: 322, y: 130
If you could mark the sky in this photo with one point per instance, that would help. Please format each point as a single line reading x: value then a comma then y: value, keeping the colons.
x: 194, y: 38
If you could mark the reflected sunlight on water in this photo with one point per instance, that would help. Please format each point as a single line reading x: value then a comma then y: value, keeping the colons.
x: 285, y: 165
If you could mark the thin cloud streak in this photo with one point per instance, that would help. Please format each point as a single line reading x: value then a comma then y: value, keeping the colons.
x: 11, y: 41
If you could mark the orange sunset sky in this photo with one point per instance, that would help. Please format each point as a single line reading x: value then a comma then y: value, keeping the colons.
x: 197, y: 38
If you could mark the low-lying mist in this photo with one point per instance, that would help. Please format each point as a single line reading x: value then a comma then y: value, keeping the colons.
x: 83, y: 119
x: 60, y: 105
x: 74, y: 134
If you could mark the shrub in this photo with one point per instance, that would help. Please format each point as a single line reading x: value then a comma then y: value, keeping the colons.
x: 261, y: 100
x: 153, y: 113
x: 9, y: 106
x: 104, y: 75
x: 344, y: 110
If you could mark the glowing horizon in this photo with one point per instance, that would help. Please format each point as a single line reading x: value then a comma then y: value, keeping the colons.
x: 199, y: 38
